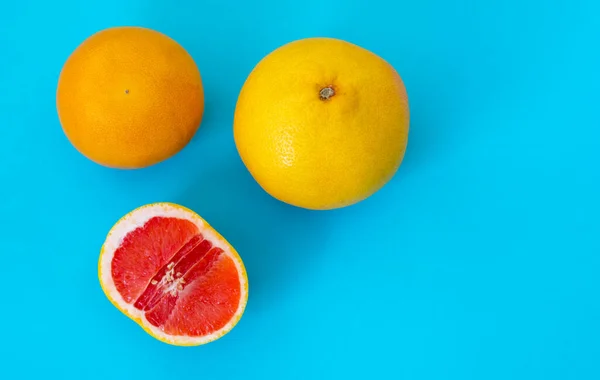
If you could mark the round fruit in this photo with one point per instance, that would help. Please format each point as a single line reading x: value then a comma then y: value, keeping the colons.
x: 321, y: 123
x: 129, y: 97
x: 164, y: 267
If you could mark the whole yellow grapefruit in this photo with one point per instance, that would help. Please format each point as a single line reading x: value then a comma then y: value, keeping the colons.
x: 129, y: 97
x: 322, y: 123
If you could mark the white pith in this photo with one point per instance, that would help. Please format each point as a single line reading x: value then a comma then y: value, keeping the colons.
x: 138, y: 218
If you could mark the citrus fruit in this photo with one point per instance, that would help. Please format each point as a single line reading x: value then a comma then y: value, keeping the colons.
x: 164, y: 267
x: 129, y: 97
x: 322, y: 123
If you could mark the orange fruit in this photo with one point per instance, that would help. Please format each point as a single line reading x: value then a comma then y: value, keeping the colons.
x: 322, y: 123
x: 129, y: 97
x: 164, y: 267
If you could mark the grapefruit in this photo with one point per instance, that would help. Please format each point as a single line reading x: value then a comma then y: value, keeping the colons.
x: 129, y: 97
x: 322, y: 123
x: 164, y: 267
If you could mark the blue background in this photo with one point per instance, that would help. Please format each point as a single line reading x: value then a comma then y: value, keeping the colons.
x: 479, y: 260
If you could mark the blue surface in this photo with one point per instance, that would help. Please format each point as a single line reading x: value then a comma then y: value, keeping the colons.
x: 479, y: 260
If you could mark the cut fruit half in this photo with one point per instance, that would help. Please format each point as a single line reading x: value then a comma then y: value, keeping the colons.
x: 164, y: 267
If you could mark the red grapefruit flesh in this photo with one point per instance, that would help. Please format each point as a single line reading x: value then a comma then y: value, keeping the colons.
x: 167, y: 269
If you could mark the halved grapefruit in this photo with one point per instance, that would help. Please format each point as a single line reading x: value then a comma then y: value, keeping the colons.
x: 164, y: 267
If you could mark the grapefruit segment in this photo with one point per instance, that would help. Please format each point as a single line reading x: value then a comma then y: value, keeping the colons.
x: 146, y: 249
x: 168, y: 270
x: 216, y: 298
x: 170, y: 275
